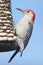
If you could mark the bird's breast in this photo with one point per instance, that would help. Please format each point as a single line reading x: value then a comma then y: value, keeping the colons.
x: 24, y: 29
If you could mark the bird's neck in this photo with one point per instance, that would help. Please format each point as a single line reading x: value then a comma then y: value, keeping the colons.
x: 27, y: 18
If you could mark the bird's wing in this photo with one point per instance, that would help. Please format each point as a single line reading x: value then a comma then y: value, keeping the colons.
x: 7, y: 31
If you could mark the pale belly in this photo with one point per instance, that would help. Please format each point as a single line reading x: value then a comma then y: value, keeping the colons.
x: 24, y: 30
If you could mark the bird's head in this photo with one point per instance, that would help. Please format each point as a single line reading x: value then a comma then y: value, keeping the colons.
x: 30, y: 13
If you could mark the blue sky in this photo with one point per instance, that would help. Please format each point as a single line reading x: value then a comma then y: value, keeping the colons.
x: 33, y: 54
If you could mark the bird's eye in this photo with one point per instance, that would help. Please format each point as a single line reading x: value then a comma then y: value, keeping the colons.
x: 28, y: 11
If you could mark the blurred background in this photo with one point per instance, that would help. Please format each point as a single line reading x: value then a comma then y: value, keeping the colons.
x: 33, y: 54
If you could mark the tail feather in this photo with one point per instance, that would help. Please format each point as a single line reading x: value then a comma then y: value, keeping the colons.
x: 14, y: 54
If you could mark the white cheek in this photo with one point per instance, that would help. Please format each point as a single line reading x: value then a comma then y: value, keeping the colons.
x: 30, y: 14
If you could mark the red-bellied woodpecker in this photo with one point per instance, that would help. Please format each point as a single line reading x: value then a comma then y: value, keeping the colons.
x: 24, y: 30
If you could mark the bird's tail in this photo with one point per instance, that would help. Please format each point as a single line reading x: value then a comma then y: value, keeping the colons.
x: 14, y: 54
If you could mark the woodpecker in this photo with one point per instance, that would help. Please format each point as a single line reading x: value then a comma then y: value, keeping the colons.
x: 24, y: 30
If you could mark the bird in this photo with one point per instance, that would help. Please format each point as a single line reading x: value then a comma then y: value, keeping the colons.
x: 23, y: 31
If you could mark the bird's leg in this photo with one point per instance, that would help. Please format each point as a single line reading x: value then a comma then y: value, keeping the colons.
x: 21, y: 54
x: 15, y: 33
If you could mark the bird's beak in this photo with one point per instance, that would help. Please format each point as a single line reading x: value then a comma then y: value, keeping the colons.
x: 19, y: 9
